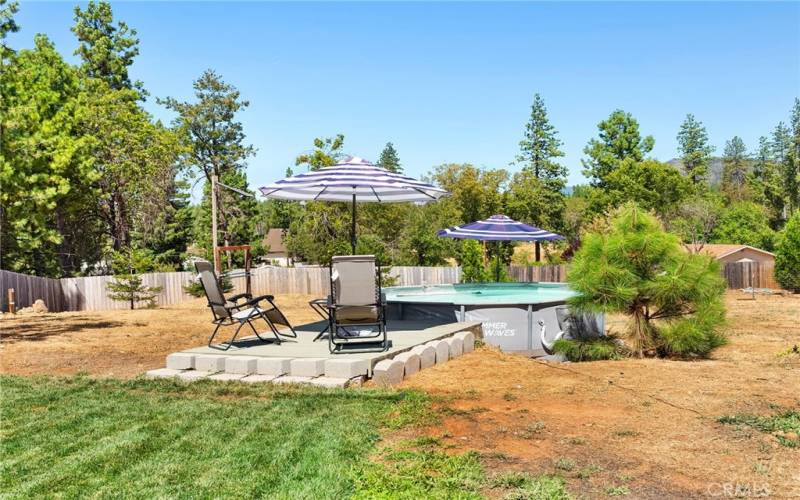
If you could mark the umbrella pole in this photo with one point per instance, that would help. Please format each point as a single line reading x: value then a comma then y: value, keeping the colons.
x: 353, y: 226
x: 497, y: 262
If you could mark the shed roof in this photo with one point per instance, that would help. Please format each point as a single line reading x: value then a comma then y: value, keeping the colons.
x: 720, y: 250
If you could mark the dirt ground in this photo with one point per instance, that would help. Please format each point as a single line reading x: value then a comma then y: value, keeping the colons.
x: 115, y: 343
x: 642, y: 428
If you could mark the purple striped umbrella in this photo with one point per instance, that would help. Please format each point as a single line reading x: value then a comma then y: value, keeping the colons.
x: 355, y: 180
x: 499, y: 228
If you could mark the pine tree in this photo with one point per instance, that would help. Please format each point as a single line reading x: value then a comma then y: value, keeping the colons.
x: 619, y: 140
x: 792, y: 175
x: 536, y: 194
x: 47, y: 200
x: 107, y: 50
x: 540, y: 146
x: 673, y: 299
x: 783, y: 156
x: 216, y: 147
x: 764, y: 181
x: 735, y: 166
x: 7, y: 25
x: 389, y: 159
x: 694, y: 149
x: 128, y: 285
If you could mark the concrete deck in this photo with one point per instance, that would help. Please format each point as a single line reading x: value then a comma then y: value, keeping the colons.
x: 403, y: 336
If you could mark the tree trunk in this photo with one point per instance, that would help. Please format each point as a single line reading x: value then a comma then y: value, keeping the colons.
x: 640, y: 332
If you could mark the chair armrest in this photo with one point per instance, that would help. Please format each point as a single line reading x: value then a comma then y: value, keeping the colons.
x: 383, y: 299
x: 235, y: 298
x: 255, y: 300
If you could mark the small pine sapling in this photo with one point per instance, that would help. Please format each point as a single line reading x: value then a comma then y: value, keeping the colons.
x: 673, y: 299
x: 128, y: 285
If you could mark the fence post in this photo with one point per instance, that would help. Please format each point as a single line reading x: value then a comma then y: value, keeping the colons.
x: 12, y: 306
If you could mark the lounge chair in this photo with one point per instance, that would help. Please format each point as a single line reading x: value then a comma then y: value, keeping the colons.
x: 356, y: 305
x: 230, y: 311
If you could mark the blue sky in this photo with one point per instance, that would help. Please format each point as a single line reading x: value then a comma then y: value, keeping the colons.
x: 453, y: 82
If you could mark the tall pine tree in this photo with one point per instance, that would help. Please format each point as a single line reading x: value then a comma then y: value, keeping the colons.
x: 536, y: 193
x: 764, y: 181
x: 389, y: 159
x: 106, y: 49
x: 735, y: 166
x: 540, y: 146
x: 216, y: 147
x: 694, y: 149
x: 792, y: 165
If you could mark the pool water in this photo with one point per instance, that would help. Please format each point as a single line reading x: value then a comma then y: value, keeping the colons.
x: 481, y: 293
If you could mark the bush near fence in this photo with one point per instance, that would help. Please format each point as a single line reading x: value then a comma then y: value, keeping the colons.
x: 90, y: 294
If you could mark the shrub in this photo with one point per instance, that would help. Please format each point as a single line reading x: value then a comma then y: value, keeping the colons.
x: 787, y: 255
x: 673, y: 299
x: 589, y: 349
x: 471, y: 258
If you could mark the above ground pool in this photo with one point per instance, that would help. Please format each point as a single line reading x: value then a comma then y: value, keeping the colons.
x: 513, y: 315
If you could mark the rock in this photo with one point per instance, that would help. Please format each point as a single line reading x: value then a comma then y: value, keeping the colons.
x: 40, y: 307
x: 411, y: 362
x: 388, y: 372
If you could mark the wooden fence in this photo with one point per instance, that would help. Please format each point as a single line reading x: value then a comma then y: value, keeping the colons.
x: 90, y: 293
x: 29, y: 288
x: 750, y: 274
x: 551, y: 273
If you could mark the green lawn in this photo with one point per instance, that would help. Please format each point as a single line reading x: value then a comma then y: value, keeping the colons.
x: 140, y: 438
x: 77, y: 437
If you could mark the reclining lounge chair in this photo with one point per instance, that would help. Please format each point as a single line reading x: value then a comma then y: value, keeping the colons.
x: 357, y: 307
x: 230, y: 311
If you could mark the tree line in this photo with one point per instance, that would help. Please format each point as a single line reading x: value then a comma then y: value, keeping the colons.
x: 88, y: 176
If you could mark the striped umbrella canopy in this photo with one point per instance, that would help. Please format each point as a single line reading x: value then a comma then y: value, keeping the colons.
x: 355, y: 180
x: 498, y: 228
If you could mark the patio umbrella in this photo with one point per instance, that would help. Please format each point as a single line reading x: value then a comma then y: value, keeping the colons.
x: 354, y: 180
x: 498, y: 228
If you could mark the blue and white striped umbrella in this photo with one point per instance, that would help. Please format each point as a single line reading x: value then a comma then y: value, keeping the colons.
x: 499, y: 228
x: 355, y: 179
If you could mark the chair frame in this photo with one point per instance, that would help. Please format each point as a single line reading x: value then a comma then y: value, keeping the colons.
x: 256, y: 312
x: 336, y: 342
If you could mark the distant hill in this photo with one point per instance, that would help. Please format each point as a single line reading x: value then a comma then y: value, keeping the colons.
x: 714, y: 169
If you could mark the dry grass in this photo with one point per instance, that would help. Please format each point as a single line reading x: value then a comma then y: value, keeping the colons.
x: 647, y: 426
x: 114, y: 343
